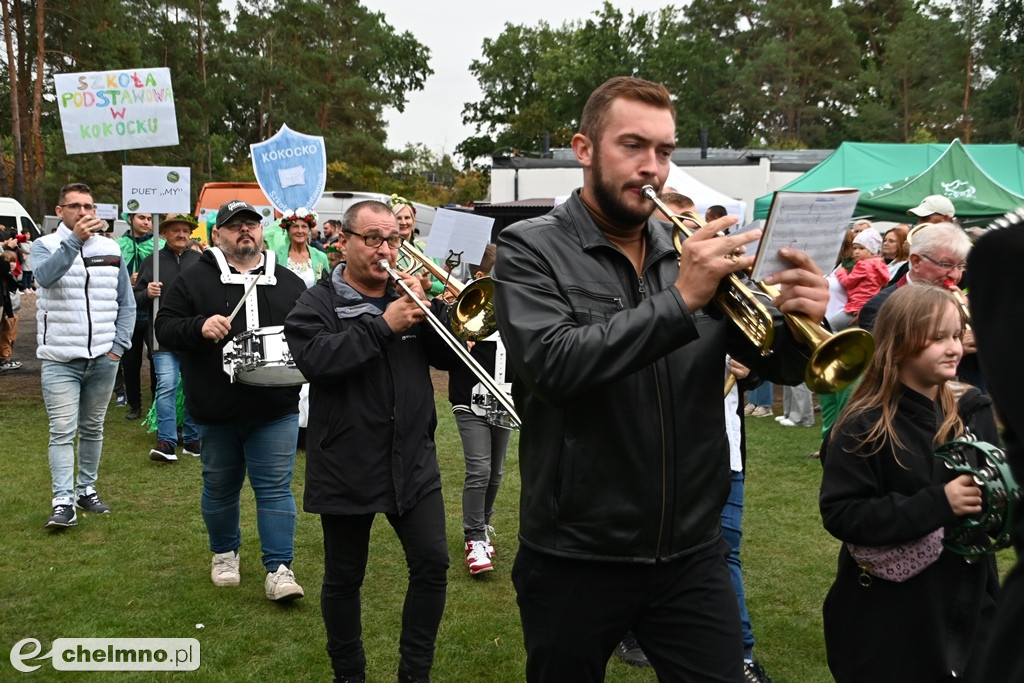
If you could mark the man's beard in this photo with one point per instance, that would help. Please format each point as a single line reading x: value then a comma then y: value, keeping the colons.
x: 607, y: 199
x: 242, y: 251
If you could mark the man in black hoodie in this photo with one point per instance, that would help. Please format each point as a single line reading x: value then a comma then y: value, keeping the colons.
x: 244, y: 428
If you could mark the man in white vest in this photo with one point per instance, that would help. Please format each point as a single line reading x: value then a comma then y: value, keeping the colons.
x: 85, y: 318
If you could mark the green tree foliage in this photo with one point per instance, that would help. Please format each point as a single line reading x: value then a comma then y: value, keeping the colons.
x: 1001, y: 105
x: 325, y: 68
x: 787, y: 73
x: 796, y: 83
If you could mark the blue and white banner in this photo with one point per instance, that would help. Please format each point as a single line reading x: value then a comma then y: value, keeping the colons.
x: 291, y: 169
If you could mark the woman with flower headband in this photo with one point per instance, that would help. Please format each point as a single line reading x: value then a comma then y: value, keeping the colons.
x: 405, y: 214
x: 295, y: 254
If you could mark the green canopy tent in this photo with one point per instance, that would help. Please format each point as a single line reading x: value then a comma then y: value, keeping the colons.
x: 867, y: 165
x: 956, y: 175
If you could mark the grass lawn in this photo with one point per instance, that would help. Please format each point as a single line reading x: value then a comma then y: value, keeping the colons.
x: 143, y: 571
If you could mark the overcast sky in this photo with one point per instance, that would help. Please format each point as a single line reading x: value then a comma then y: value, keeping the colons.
x: 454, y: 31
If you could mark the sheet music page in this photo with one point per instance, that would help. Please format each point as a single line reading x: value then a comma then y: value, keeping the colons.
x: 458, y: 232
x: 814, y: 222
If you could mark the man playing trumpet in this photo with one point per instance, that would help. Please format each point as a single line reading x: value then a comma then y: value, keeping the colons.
x: 623, y: 450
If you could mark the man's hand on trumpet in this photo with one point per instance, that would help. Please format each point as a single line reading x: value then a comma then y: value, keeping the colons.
x: 404, y: 312
x: 705, y: 258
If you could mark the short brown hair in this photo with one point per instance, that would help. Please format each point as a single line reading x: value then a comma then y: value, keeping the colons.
x: 73, y: 187
x: 677, y: 199
x: 348, y: 220
x: 624, y: 87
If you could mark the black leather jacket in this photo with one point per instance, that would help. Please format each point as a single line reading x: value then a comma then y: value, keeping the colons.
x: 623, y: 451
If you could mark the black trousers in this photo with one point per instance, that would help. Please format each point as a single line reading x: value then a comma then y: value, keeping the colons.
x: 346, y: 545
x: 131, y: 365
x: 683, y: 613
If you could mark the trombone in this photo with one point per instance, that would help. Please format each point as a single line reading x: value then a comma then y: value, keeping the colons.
x: 455, y: 345
x: 837, y: 360
x: 472, y: 310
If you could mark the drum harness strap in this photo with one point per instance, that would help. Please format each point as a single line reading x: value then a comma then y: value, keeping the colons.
x: 267, y: 278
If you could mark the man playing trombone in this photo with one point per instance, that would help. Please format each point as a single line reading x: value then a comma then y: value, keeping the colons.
x: 370, y: 444
x: 623, y: 450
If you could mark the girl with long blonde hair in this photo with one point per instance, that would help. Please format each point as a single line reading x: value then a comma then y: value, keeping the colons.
x: 882, y: 486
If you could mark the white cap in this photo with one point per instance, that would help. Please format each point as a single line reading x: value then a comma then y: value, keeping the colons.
x: 934, y: 203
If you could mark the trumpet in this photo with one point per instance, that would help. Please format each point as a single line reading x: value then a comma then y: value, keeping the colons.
x: 455, y: 345
x: 837, y: 360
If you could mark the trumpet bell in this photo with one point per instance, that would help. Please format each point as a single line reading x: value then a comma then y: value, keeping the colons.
x: 838, y: 360
x: 472, y: 313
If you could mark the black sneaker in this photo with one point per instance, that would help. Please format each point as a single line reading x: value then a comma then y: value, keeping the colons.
x: 753, y: 672
x: 10, y: 365
x: 134, y: 413
x: 90, y: 502
x: 163, y: 452
x: 630, y: 652
x: 194, y: 448
x: 351, y: 678
x: 63, y: 517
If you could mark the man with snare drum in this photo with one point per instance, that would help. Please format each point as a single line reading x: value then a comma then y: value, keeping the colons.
x: 244, y: 428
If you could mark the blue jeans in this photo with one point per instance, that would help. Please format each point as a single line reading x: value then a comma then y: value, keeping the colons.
x: 762, y: 395
x: 167, y: 379
x: 76, y: 394
x: 732, y: 532
x: 266, y: 449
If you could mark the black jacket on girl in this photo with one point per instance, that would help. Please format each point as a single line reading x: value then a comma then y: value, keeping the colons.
x: 934, y: 624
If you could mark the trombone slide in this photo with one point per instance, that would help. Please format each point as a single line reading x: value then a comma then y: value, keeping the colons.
x: 455, y: 345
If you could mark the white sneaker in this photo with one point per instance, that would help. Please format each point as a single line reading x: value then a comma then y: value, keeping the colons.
x: 780, y: 418
x: 477, y: 558
x: 786, y: 422
x: 224, y: 569
x: 488, y: 532
x: 281, y: 586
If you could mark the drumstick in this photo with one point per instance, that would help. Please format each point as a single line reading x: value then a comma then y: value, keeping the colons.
x: 241, y: 301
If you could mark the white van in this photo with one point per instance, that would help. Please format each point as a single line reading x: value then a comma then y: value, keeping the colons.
x: 332, y: 205
x: 14, y: 215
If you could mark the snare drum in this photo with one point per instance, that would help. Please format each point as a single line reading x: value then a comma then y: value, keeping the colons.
x: 261, y: 357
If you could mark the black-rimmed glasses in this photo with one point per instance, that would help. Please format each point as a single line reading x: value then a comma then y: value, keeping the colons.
x: 945, y: 265
x: 375, y: 240
x: 237, y: 225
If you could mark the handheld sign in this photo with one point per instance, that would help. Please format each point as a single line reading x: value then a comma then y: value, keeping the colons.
x: 155, y: 189
x: 102, y: 111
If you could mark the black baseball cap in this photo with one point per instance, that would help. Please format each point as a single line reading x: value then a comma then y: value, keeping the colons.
x: 233, y: 208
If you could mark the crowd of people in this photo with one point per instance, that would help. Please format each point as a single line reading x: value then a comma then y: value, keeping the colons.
x: 631, y: 464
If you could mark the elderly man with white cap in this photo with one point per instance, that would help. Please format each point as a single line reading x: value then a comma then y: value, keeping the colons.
x: 934, y: 209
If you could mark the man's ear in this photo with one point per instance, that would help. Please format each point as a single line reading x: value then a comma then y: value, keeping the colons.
x: 583, y: 148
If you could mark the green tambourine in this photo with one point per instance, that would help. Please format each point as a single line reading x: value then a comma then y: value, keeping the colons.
x: 1000, y: 497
